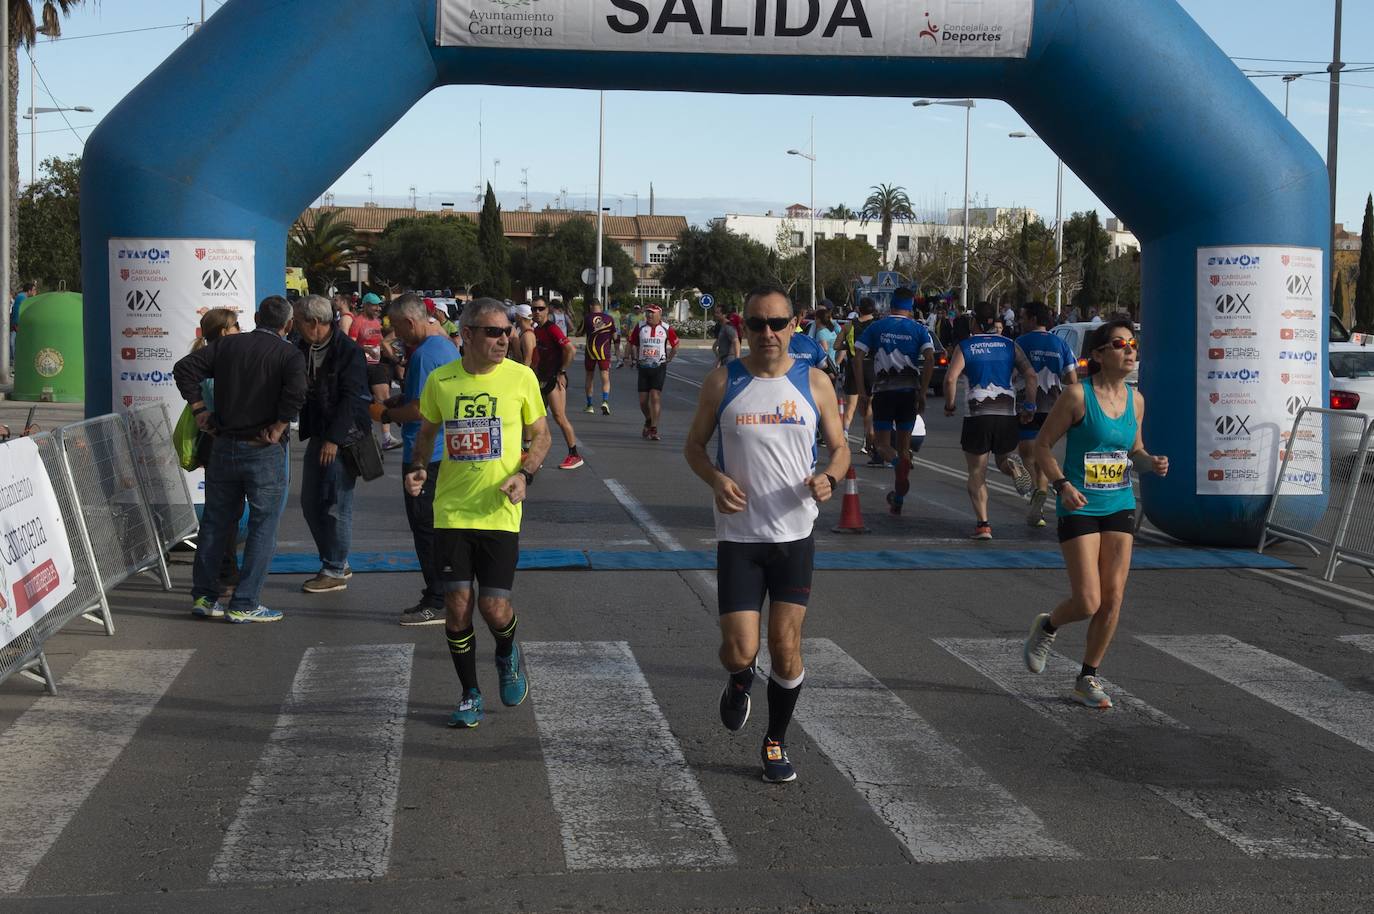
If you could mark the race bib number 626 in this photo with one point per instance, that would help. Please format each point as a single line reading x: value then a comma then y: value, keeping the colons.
x: 473, y: 439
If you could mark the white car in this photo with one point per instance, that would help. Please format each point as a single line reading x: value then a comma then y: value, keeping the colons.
x: 1076, y: 335
x: 1352, y: 387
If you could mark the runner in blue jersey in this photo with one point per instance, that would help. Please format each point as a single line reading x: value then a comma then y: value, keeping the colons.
x: 806, y: 350
x: 1102, y: 419
x: 990, y: 360
x: 1055, y: 366
x: 902, y: 365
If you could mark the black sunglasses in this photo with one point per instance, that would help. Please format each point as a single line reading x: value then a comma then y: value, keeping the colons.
x: 538, y: 308
x: 493, y: 333
x: 776, y: 324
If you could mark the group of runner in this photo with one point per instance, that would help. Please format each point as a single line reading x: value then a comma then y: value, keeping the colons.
x: 766, y: 410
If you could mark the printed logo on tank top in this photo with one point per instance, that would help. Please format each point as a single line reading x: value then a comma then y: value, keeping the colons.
x: 787, y: 413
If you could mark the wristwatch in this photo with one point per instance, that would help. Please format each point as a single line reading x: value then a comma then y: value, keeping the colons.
x: 529, y: 477
x: 1059, y: 484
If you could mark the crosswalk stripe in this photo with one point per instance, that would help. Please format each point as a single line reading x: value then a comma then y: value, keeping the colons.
x: 999, y: 659
x: 940, y: 805
x: 1317, y: 699
x: 59, y: 749
x: 625, y: 797
x: 1363, y: 642
x: 321, y: 803
x: 1283, y: 823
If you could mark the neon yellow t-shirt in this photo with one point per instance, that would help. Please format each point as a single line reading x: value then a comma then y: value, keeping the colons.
x: 482, y: 419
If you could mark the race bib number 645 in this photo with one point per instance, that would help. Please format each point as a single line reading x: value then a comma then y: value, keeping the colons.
x: 472, y: 439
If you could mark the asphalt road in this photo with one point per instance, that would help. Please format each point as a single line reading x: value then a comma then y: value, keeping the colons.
x: 187, y: 765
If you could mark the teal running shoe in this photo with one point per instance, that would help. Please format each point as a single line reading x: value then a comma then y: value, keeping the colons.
x: 469, y: 713
x: 511, y: 671
x: 206, y: 608
x: 261, y: 614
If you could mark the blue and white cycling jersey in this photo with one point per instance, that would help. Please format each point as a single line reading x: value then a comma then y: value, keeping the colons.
x: 898, y: 344
x: 989, y: 365
x: 1051, y: 358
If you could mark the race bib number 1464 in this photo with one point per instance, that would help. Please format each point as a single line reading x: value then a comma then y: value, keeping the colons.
x: 473, y: 439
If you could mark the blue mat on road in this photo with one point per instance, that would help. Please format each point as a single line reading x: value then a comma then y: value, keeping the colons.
x: 1148, y: 558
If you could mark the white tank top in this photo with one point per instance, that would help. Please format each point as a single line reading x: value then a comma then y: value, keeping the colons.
x: 767, y: 444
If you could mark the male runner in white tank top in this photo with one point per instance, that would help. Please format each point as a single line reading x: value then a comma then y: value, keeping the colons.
x: 766, y: 408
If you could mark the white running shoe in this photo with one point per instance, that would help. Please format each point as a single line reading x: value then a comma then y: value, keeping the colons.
x: 1020, y: 476
x: 1036, y: 650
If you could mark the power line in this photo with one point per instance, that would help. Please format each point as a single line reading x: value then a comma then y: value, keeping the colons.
x: 152, y: 28
x: 57, y: 104
x: 1363, y: 63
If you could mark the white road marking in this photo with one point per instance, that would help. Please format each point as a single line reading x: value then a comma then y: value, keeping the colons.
x: 322, y: 801
x: 63, y: 745
x: 1048, y: 693
x: 1363, y: 642
x: 656, y: 531
x: 1317, y: 699
x: 625, y: 796
x: 1317, y: 586
x: 1299, y: 826
x: 1284, y: 823
x: 938, y: 803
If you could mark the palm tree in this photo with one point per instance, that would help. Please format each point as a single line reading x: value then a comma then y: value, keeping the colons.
x: 25, y: 28
x: 888, y: 203
x: 840, y: 211
x: 323, y: 249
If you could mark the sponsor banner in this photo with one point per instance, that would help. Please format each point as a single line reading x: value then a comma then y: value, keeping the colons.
x: 1259, y: 362
x: 867, y: 28
x: 36, y: 568
x: 159, y: 289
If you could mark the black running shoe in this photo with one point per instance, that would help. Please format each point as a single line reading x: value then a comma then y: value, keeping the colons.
x: 777, y: 767
x: 734, y: 706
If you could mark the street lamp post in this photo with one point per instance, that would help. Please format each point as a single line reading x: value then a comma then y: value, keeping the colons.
x: 811, y: 157
x: 32, y: 117
x: 600, y: 212
x: 968, y: 105
x: 1058, y: 228
x: 1288, y: 89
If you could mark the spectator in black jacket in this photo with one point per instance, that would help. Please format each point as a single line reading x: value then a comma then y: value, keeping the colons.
x: 259, y: 389
x: 335, y: 416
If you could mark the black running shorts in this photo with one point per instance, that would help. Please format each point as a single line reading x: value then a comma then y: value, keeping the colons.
x: 746, y: 573
x: 1072, y: 526
x: 894, y: 409
x: 990, y: 435
x: 652, y: 377
x: 379, y: 374
x: 488, y: 557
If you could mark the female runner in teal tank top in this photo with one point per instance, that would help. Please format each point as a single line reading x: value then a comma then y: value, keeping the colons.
x: 1102, y: 418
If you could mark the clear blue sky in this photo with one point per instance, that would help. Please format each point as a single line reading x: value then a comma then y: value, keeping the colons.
x: 649, y: 136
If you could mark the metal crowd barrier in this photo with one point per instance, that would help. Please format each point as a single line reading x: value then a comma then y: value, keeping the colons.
x: 124, y: 502
x: 1319, y: 500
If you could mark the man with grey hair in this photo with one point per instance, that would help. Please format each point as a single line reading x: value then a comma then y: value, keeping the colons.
x: 430, y: 348
x: 485, y: 405
x: 259, y: 388
x: 335, y: 416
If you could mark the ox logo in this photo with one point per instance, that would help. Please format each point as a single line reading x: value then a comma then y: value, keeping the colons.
x: 1299, y: 285
x: 138, y: 300
x: 1231, y: 426
x: 220, y: 280
x: 1295, y: 403
x: 1233, y: 304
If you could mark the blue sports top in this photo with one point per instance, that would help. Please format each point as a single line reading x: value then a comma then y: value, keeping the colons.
x: 989, y: 365
x: 898, y: 344
x: 1097, y: 457
x: 804, y: 349
x: 1051, y: 358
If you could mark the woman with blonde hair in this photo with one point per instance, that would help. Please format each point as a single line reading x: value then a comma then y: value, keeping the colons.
x: 216, y: 323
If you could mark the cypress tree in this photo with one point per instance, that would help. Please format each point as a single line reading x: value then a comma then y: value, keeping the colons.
x: 491, y: 241
x: 1364, y: 285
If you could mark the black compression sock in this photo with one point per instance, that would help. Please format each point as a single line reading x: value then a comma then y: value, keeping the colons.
x: 1087, y: 671
x: 782, y: 701
x: 572, y: 451
x: 505, y: 639
x: 1049, y: 629
x: 460, y: 648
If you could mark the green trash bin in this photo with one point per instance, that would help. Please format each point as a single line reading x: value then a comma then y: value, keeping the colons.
x: 50, y: 361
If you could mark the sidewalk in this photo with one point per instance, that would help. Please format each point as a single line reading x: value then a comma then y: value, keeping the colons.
x: 47, y: 416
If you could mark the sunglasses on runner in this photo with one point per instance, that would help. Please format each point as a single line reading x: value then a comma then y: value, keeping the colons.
x: 776, y: 324
x: 538, y: 308
x: 493, y: 333
x: 1119, y: 343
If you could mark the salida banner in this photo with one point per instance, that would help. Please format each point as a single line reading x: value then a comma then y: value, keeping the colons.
x: 877, y: 28
x: 159, y: 289
x: 1260, y: 327
x: 36, y: 568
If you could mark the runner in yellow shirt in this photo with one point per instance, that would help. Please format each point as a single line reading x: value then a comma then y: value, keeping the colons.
x: 484, y: 405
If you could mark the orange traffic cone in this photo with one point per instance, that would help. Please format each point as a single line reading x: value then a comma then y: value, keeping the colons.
x: 851, y: 516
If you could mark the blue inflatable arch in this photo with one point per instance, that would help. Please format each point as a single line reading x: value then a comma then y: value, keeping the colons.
x: 1138, y: 101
